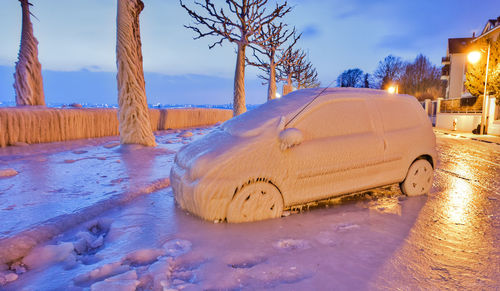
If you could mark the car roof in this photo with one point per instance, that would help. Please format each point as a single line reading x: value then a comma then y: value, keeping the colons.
x: 291, y: 105
x: 328, y: 93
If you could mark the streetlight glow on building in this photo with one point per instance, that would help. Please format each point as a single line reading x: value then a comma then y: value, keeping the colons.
x: 474, y: 57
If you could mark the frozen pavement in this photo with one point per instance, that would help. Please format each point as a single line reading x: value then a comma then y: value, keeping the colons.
x: 376, y: 240
x: 47, y: 188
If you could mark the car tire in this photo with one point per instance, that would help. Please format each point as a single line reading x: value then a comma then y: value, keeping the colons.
x: 255, y: 201
x: 419, y: 178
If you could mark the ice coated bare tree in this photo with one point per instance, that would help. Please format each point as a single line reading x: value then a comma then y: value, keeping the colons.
x: 239, y: 25
x: 291, y: 59
x: 272, y: 38
x: 304, y: 74
x: 133, y: 113
x: 28, y: 82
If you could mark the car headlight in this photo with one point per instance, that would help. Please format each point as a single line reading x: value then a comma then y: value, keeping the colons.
x: 198, y: 168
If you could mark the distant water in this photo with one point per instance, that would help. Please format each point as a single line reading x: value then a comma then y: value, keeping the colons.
x: 158, y: 105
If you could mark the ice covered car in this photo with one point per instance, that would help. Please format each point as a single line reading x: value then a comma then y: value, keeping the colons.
x: 309, y: 145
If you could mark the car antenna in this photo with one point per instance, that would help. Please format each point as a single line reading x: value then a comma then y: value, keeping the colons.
x: 309, y: 103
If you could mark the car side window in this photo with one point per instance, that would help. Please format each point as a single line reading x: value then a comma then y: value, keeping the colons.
x: 397, y: 115
x: 337, y: 118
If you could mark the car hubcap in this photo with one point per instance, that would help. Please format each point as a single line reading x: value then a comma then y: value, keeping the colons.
x: 419, y: 178
x: 256, y: 201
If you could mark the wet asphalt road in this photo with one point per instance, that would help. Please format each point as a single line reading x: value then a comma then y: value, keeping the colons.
x: 455, y: 242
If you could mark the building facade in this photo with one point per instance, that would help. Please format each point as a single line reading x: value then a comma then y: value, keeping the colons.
x: 455, y: 61
x: 460, y: 113
x: 455, y: 66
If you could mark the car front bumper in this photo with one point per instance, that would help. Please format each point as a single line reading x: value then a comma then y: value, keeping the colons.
x: 204, y: 197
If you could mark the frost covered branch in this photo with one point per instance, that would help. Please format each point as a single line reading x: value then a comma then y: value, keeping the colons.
x: 271, y: 40
x: 240, y: 22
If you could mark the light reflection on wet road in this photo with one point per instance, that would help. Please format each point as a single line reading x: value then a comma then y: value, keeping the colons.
x: 454, y: 243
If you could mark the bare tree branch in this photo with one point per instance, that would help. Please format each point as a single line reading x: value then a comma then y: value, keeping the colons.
x: 240, y: 22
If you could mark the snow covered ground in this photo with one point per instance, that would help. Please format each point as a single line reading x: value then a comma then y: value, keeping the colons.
x: 48, y: 188
x: 111, y: 236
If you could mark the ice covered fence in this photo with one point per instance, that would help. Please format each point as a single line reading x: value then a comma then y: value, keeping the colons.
x: 40, y: 124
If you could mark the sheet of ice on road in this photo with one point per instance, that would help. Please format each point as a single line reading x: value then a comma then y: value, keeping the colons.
x: 44, y: 181
x: 153, y: 245
x: 378, y: 240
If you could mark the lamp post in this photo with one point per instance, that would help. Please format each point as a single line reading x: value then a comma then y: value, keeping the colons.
x: 393, y: 89
x: 473, y: 58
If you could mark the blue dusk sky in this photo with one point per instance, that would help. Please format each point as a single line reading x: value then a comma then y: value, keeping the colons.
x: 77, y: 44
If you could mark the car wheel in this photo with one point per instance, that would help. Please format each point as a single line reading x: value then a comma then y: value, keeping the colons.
x: 255, y: 201
x: 419, y: 178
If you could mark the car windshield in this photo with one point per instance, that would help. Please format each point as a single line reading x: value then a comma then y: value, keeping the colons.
x: 254, y: 121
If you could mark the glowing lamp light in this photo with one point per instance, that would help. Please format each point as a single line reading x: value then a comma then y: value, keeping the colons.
x: 391, y: 89
x: 278, y: 95
x: 474, y: 57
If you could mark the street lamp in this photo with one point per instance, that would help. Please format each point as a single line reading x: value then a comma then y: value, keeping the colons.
x: 393, y: 89
x: 473, y: 58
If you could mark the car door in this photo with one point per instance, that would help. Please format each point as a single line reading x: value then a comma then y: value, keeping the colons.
x: 401, y: 125
x: 339, y: 153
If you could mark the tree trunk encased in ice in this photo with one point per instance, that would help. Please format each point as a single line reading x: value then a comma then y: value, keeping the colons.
x: 133, y: 114
x: 271, y: 90
x: 240, y: 24
x: 239, y: 106
x: 28, y: 82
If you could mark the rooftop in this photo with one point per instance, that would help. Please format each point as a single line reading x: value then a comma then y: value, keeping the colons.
x: 491, y: 24
x: 458, y: 45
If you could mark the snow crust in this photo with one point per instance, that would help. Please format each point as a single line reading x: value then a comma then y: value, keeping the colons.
x: 291, y: 244
x: 7, y: 277
x: 143, y: 256
x: 45, y: 255
x: 8, y: 172
x: 116, y: 284
x: 311, y: 145
x: 102, y: 272
x: 177, y: 247
x: 186, y: 134
x: 41, y: 125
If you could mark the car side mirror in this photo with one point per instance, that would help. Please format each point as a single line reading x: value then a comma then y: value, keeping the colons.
x: 290, y: 137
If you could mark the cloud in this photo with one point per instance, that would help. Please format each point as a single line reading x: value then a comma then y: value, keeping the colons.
x: 348, y: 14
x: 311, y: 31
x: 397, y: 42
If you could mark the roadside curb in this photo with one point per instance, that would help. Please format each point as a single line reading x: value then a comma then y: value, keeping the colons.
x: 467, y: 137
